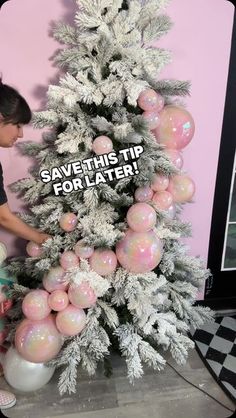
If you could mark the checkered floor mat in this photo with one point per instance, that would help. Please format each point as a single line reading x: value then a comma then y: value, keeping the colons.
x: 216, y: 343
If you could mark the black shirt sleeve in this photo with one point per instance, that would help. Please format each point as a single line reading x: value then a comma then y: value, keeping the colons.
x: 3, y: 196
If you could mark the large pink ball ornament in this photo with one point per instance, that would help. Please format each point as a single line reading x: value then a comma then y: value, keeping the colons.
x: 175, y: 157
x: 176, y: 127
x: 152, y: 118
x: 35, y: 305
x: 141, y: 217
x: 182, y: 188
x: 102, y: 145
x: 82, y: 296
x: 159, y: 183
x: 68, y: 222
x: 69, y: 260
x: 143, y: 194
x: 58, y: 300
x: 71, y: 321
x: 55, y: 279
x: 82, y: 250
x: 104, y: 262
x: 38, y: 341
x: 33, y: 249
x: 162, y: 200
x: 139, y: 252
x: 150, y: 100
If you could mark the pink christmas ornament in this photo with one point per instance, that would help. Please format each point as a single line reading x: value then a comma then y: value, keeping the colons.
x: 159, y: 183
x: 55, y: 279
x: 102, y: 145
x: 82, y: 250
x: 69, y: 260
x: 175, y: 156
x: 68, y: 222
x: 82, y: 296
x: 152, y: 118
x: 35, y: 305
x: 58, y: 300
x: 71, y: 321
x: 104, y: 262
x: 33, y: 249
x: 38, y: 341
x: 139, y: 252
x: 182, y: 188
x: 162, y: 200
x: 143, y: 194
x: 171, y: 211
x: 150, y: 100
x: 176, y: 127
x: 141, y: 217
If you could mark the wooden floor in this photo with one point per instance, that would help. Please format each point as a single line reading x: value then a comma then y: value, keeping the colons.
x: 157, y: 395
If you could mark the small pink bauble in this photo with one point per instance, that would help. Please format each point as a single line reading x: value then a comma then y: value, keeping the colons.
x: 141, y: 217
x: 82, y: 250
x: 69, y: 260
x: 82, y: 296
x: 159, y: 183
x: 182, y: 188
x: 33, y: 249
x: 139, y: 252
x: 143, y: 194
x: 171, y: 211
x: 152, y: 118
x: 176, y: 127
x: 104, y: 262
x: 55, y: 279
x: 58, y: 300
x: 68, y: 222
x: 175, y: 156
x: 150, y: 100
x: 162, y: 200
x: 102, y: 145
x: 35, y: 305
x: 38, y: 341
x: 71, y: 321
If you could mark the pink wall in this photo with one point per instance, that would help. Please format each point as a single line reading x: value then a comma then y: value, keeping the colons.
x: 200, y: 42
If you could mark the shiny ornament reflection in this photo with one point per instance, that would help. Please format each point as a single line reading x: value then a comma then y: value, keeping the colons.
x: 150, y: 100
x: 71, y: 321
x: 68, y: 222
x: 82, y: 296
x: 104, y: 262
x: 35, y: 305
x: 55, y: 279
x: 182, y: 188
x: 159, y: 183
x: 33, y: 249
x: 143, y: 194
x: 69, y: 260
x: 152, y: 118
x: 141, y: 217
x: 58, y: 300
x: 175, y: 157
x: 162, y: 200
x: 102, y: 145
x: 82, y: 250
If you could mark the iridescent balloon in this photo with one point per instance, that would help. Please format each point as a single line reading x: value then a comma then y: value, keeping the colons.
x: 35, y: 305
x: 143, y: 194
x: 33, y: 249
x: 71, y: 321
x: 176, y: 127
x: 139, y: 252
x: 38, y: 341
x: 141, y: 217
x: 175, y: 156
x: 162, y: 200
x: 82, y: 250
x: 102, y: 145
x: 82, y: 296
x: 104, y: 262
x: 152, y: 118
x: 69, y: 260
x: 55, y: 279
x: 159, y: 183
x: 150, y: 100
x: 182, y: 188
x: 68, y: 222
x: 58, y: 300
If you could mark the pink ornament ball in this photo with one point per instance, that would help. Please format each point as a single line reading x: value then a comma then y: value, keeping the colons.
x: 139, y: 252
x: 143, y: 194
x: 141, y: 217
x: 38, y: 341
x: 162, y: 200
x: 82, y: 296
x: 104, y: 262
x: 176, y: 127
x: 82, y: 250
x: 171, y: 211
x: 33, y: 249
x: 150, y: 100
x: 71, y: 321
x: 102, y: 145
x: 58, y: 300
x: 152, y: 118
x: 35, y: 305
x: 175, y: 157
x: 55, y: 279
x: 182, y: 188
x: 159, y: 183
x: 69, y: 260
x: 68, y: 222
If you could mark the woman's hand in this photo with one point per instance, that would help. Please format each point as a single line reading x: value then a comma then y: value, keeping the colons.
x: 43, y: 238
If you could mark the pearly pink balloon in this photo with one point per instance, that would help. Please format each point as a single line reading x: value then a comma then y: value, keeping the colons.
x: 68, y: 222
x: 175, y: 156
x: 71, y: 321
x: 143, y: 194
x: 171, y: 211
x: 55, y: 279
x: 33, y: 249
x: 102, y: 145
x: 141, y: 217
x: 176, y: 127
x: 104, y: 262
x: 69, y: 260
x: 82, y: 296
x: 58, y: 300
x: 139, y: 252
x: 159, y: 183
x: 182, y: 188
x: 150, y: 100
x: 82, y: 250
x: 162, y: 200
x: 35, y: 305
x: 38, y: 341
x: 152, y: 118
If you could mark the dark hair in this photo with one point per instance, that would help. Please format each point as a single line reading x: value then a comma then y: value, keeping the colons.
x: 13, y: 107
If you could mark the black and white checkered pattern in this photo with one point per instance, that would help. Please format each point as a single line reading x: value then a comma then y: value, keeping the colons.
x: 216, y: 342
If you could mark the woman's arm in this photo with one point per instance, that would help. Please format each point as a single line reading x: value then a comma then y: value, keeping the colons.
x: 14, y: 224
